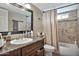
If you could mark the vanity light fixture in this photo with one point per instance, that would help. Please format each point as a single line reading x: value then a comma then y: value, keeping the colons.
x: 27, y: 6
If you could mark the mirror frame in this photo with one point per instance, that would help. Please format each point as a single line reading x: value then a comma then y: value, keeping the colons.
x: 31, y: 19
x: 19, y: 6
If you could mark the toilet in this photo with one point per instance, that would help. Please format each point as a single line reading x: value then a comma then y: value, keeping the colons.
x: 49, y: 49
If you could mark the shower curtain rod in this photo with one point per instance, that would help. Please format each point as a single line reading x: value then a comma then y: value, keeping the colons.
x: 62, y: 7
x: 67, y: 6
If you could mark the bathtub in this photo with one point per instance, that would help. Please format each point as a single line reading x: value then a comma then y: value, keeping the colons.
x: 68, y: 49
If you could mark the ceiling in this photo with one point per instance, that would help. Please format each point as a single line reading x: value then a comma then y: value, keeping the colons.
x: 48, y: 6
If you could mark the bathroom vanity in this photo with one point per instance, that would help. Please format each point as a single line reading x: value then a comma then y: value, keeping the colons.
x: 34, y: 48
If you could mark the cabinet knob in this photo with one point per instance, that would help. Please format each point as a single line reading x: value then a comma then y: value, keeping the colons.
x: 38, y: 50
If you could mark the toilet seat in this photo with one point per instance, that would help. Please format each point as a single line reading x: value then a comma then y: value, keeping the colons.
x: 49, y: 48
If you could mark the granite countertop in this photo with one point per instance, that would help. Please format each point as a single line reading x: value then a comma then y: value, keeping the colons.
x: 10, y: 47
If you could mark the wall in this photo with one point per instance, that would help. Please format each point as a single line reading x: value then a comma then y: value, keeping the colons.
x: 67, y: 28
x: 37, y: 20
x: 3, y: 20
x: 78, y: 26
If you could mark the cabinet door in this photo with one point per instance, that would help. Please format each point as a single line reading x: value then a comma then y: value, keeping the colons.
x: 40, y: 52
x: 31, y: 50
x: 13, y: 53
x: 32, y: 53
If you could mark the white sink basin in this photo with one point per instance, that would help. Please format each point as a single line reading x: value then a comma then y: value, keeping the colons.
x: 21, y: 41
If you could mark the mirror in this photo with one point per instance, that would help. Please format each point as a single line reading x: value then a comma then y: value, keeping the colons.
x: 14, y: 17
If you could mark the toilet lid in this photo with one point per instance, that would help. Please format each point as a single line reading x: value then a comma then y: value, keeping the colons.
x: 48, y: 46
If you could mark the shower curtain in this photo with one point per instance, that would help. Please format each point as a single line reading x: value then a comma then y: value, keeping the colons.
x: 50, y: 28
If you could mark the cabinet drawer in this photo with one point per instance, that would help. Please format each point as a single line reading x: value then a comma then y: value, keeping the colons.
x: 40, y: 43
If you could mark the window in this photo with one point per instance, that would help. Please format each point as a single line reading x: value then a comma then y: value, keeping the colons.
x: 62, y: 16
x: 59, y: 16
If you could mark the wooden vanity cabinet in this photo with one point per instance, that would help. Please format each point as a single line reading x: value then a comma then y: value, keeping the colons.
x: 35, y: 49
x: 16, y: 52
